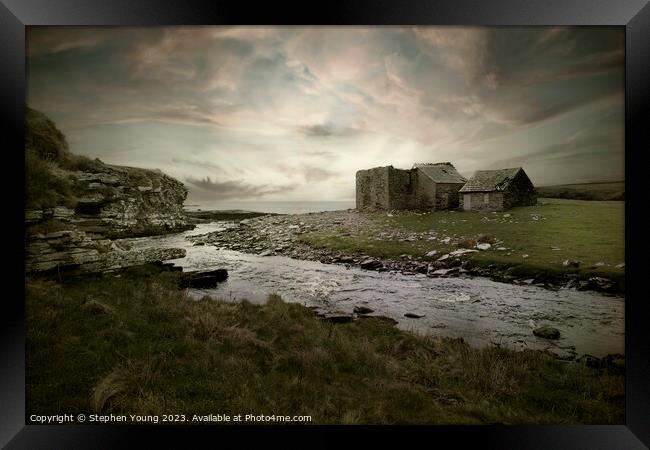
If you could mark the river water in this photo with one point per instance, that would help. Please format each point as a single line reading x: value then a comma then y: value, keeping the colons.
x: 481, y: 311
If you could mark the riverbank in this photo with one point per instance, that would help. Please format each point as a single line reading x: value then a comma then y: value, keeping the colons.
x: 557, y: 243
x: 133, y: 343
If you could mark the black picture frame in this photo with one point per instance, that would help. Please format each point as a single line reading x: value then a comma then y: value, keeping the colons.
x: 634, y: 15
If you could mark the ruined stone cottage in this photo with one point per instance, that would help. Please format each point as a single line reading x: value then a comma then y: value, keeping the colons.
x: 497, y: 190
x: 426, y: 186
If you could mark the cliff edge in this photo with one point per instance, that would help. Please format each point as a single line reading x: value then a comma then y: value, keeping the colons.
x: 79, y: 211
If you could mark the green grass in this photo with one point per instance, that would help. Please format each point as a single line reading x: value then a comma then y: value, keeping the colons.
x: 136, y: 345
x: 587, y: 231
x: 43, y: 188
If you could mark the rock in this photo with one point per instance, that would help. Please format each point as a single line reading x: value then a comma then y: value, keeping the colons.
x: 413, y: 315
x: 597, y: 265
x: 462, y: 251
x: 266, y: 253
x: 33, y: 215
x: 389, y: 320
x: 596, y: 284
x: 431, y: 253
x: 337, y: 318
x: 507, y: 215
x: 525, y: 255
x: 421, y: 268
x: 360, y: 309
x: 615, y: 362
x: 501, y: 249
x: 370, y: 264
x: 484, y: 246
x: 590, y: 361
x: 570, y: 263
x: 547, y: 332
x: 620, y: 266
x: 96, y: 307
x: 202, y: 279
x: 442, y: 272
x: 346, y: 259
x: 62, y: 213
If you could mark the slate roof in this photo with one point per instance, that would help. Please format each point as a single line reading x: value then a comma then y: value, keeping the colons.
x: 490, y: 180
x: 441, y: 172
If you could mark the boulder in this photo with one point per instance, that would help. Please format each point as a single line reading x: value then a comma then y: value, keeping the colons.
x: 202, y: 279
x: 413, y: 315
x: 371, y: 264
x: 570, y: 263
x: 615, y: 362
x: 547, y: 332
x: 360, y: 309
x: 337, y: 318
x: 590, y: 361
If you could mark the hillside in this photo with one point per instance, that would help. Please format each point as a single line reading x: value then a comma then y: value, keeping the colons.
x: 584, y: 191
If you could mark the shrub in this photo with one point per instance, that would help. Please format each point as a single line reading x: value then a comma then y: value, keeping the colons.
x: 43, y: 189
x: 43, y: 138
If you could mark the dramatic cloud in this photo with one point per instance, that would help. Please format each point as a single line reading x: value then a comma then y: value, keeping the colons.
x: 228, y: 190
x: 291, y: 113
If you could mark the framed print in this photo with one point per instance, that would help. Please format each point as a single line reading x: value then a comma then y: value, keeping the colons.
x: 347, y: 218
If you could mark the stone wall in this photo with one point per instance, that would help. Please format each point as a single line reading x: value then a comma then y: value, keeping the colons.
x: 447, y: 196
x: 402, y: 189
x: 482, y: 201
x: 425, y: 191
x: 520, y: 192
x: 372, y: 189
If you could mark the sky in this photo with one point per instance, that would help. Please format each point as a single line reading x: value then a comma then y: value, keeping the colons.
x: 291, y: 113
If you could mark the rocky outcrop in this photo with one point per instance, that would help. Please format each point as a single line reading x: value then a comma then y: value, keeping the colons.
x: 79, y: 211
x: 128, y: 202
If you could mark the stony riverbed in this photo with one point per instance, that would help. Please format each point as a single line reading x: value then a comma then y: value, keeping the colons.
x: 279, y: 235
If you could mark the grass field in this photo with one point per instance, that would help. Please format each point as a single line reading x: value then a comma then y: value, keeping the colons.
x: 137, y: 345
x: 585, y: 191
x: 549, y: 233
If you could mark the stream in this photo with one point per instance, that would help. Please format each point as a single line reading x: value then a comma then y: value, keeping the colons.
x: 481, y: 311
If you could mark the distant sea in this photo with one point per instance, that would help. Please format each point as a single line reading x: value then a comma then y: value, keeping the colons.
x: 272, y: 207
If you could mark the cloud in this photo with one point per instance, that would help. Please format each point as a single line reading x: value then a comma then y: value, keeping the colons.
x: 199, y: 164
x: 318, y: 174
x: 326, y: 130
x: 311, y: 105
x: 234, y: 189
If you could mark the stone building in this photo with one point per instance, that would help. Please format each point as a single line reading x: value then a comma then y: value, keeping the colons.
x: 497, y: 190
x: 425, y: 186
